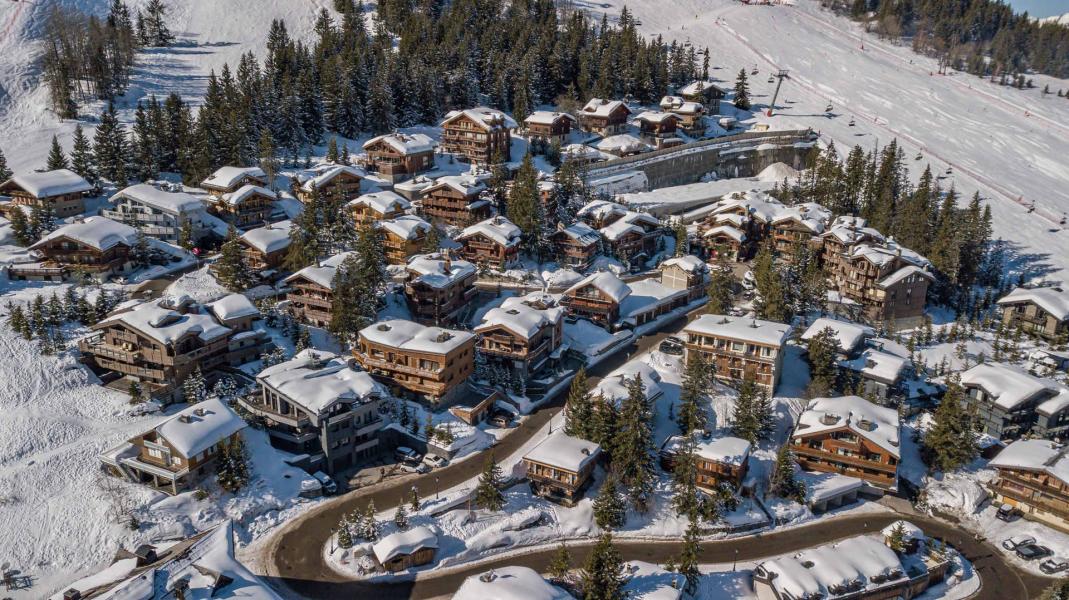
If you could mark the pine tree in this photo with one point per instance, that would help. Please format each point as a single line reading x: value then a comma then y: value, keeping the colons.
x: 82, y: 156
x: 332, y: 151
x: 268, y: 162
x: 679, y: 231
x: 345, y: 539
x: 687, y: 563
x: 5, y: 172
x: 822, y: 351
x: 746, y: 421
x: 605, y: 423
x: 232, y: 270
x: 400, y: 517
x: 897, y: 539
x: 157, y: 33
x: 524, y: 207
x: 413, y: 499
x: 579, y: 408
x: 742, y: 91
x: 774, y: 302
x: 602, y: 577
x: 185, y: 235
x: 193, y: 388
x: 233, y: 468
x: 1059, y: 590
x: 609, y: 509
x: 369, y: 525
x: 56, y: 158
x: 784, y: 483
x: 560, y: 568
x: 110, y: 148
x: 20, y: 227
x: 633, y: 446
x: 685, y: 497
x: 951, y: 441
x: 721, y: 284
x: 488, y: 493
x: 692, y: 394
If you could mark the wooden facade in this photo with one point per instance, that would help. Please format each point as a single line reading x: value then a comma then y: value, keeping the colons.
x: 1035, y: 492
x: 842, y: 450
x: 1041, y: 312
x: 560, y: 468
x: 593, y: 303
x: 604, y: 117
x: 456, y: 205
x: 310, y: 301
x: 437, y: 377
x: 439, y: 299
x: 734, y: 355
x: 548, y: 127
x: 504, y: 339
x: 480, y: 135
x: 577, y: 246
x: 244, y: 208
x: 712, y: 470
x: 399, y: 156
x: 38, y: 189
x: 64, y: 257
x: 340, y: 184
x: 481, y: 249
x: 869, y: 278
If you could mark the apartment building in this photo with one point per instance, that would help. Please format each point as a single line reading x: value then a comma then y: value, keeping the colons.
x: 399, y: 156
x: 1043, y: 312
x: 95, y: 248
x: 597, y: 297
x: 719, y: 461
x: 889, y: 282
x: 311, y: 295
x: 521, y: 335
x: 1032, y: 477
x: 494, y: 242
x: 850, y: 436
x: 481, y: 135
x: 62, y: 190
x: 179, y: 452
x: 403, y: 237
x: 158, y: 344
x: 317, y: 404
x: 560, y: 467
x: 455, y: 200
x: 739, y: 348
x: 686, y: 272
x: 1007, y: 401
x: 430, y: 364
x: 438, y: 289
x: 161, y: 214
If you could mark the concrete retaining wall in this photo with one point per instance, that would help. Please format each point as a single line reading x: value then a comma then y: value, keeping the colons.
x: 741, y: 155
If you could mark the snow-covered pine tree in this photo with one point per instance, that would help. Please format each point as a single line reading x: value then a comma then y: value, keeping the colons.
x: 56, y: 158
x: 633, y: 446
x: 609, y: 509
x: 742, y: 91
x: 82, y: 156
x: 745, y: 421
x: 579, y: 407
x: 232, y: 270
x: 603, y: 575
x: 823, y: 348
x: 193, y: 388
x: 400, y: 517
x: 560, y: 568
x: 784, y: 483
x: 687, y: 563
x: 693, y: 394
x: 488, y: 492
x: 951, y: 440
x: 110, y: 148
x: 5, y: 171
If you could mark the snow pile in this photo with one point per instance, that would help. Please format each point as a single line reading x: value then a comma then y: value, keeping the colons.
x: 200, y: 285
x: 777, y: 172
x: 509, y: 583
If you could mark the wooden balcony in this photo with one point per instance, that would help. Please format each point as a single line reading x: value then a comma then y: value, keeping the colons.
x: 370, y: 361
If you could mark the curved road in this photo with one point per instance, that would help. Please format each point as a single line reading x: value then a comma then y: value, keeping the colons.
x: 294, y: 553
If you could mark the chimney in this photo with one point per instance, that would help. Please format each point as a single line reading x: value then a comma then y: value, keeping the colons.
x: 488, y: 576
x: 183, y: 418
x: 447, y: 263
x: 199, y: 412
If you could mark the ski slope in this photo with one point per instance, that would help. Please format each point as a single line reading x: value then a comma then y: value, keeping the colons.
x: 1011, y: 145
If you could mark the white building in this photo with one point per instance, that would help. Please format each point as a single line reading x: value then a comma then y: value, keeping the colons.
x: 161, y: 214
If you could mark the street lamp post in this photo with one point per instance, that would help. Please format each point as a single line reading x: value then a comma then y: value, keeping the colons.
x: 435, y: 487
x: 735, y: 563
x: 332, y: 540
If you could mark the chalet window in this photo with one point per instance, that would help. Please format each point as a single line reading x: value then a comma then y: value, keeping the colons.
x: 155, y: 453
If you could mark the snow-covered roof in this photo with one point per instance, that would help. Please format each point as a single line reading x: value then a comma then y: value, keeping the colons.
x: 600, y: 107
x: 608, y: 283
x: 582, y: 233
x: 519, y: 318
x: 847, y: 335
x: 810, y: 215
x: 880, y: 255
x: 200, y: 426
x: 726, y: 449
x: 49, y: 183
x: 909, y: 530
x: 547, y: 117
x: 623, y: 143
x: 564, y: 452
x: 583, y: 152
x: 170, y: 202
x: 614, y: 386
x: 851, y: 230
x: 1053, y: 300
x: 631, y: 221
x: 903, y: 273
x: 467, y: 184
x: 698, y: 86
x: 431, y: 270
x: 316, y: 380
x: 244, y: 192
x: 269, y: 238
x: 404, y: 542
x: 743, y: 329
x: 489, y: 118
x: 687, y: 262
x: 156, y: 319
x: 646, y: 295
x: 1008, y: 386
x: 233, y: 306
x: 509, y: 583
x: 406, y: 227
x: 325, y: 176
x: 754, y: 203
x: 228, y: 177
x: 498, y: 229
x: 1035, y: 455
x: 878, y: 424
x: 382, y: 202
x: 670, y: 102
x: 727, y: 230
x: 835, y: 570
x: 404, y: 143
x: 601, y: 210
x: 323, y: 273
x: 96, y: 232
x: 650, y: 116
x: 688, y: 108
x: 735, y: 219
x: 408, y: 335
x: 878, y: 365
x: 1055, y: 405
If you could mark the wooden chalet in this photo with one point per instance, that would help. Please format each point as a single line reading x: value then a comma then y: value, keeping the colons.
x: 94, y: 248
x: 604, y: 117
x: 340, y: 183
x: 378, y: 206
x: 706, y: 93
x: 1043, y: 312
x: 311, y: 295
x: 719, y: 461
x: 62, y: 190
x: 577, y: 245
x: 850, y: 436
x: 481, y: 135
x: 494, y: 242
x: 265, y: 247
x: 403, y: 237
x: 455, y: 200
x: 521, y: 335
x: 1032, y: 478
x: 548, y: 127
x: 248, y: 206
x: 227, y: 180
x: 438, y: 289
x: 399, y: 156
x: 560, y: 467
x: 597, y: 297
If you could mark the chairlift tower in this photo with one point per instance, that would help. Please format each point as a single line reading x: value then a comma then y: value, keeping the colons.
x: 780, y: 76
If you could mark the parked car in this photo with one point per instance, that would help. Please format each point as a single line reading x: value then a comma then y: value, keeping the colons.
x: 1018, y: 540
x: 329, y: 485
x: 1006, y: 512
x: 749, y: 281
x: 1033, y: 551
x: 672, y: 345
x: 417, y: 467
x: 405, y: 454
x: 501, y: 418
x: 434, y: 461
x: 1053, y: 565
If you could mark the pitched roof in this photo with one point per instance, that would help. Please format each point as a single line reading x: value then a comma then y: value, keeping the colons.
x: 404, y: 143
x: 630, y: 222
x: 156, y: 319
x: 1053, y: 300
x: 404, y: 542
x: 408, y: 335
x: 382, y: 201
x: 687, y: 262
x: 406, y: 227
x: 582, y: 233
x: 499, y: 229
x: 848, y: 335
x: 603, y: 108
x: 316, y: 380
x: 743, y: 329
x: 699, y: 86
x: 727, y: 230
x: 546, y: 117
x: 614, y: 385
x: 878, y: 424
x: 233, y: 306
x: 228, y: 177
x: 522, y: 319
x: 49, y: 183
x: 200, y: 426
x: 1008, y: 386
x: 323, y: 273
x: 650, y: 116
x: 170, y: 202
x: 328, y: 173
x: 834, y: 570
x: 878, y: 365
x: 1035, y: 455
x: 608, y: 283
x: 488, y: 118
x: 467, y: 184
x: 509, y: 583
x: 724, y: 449
x: 246, y: 191
x: 269, y: 238
x: 96, y: 232
x: 430, y: 269
x: 564, y: 451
